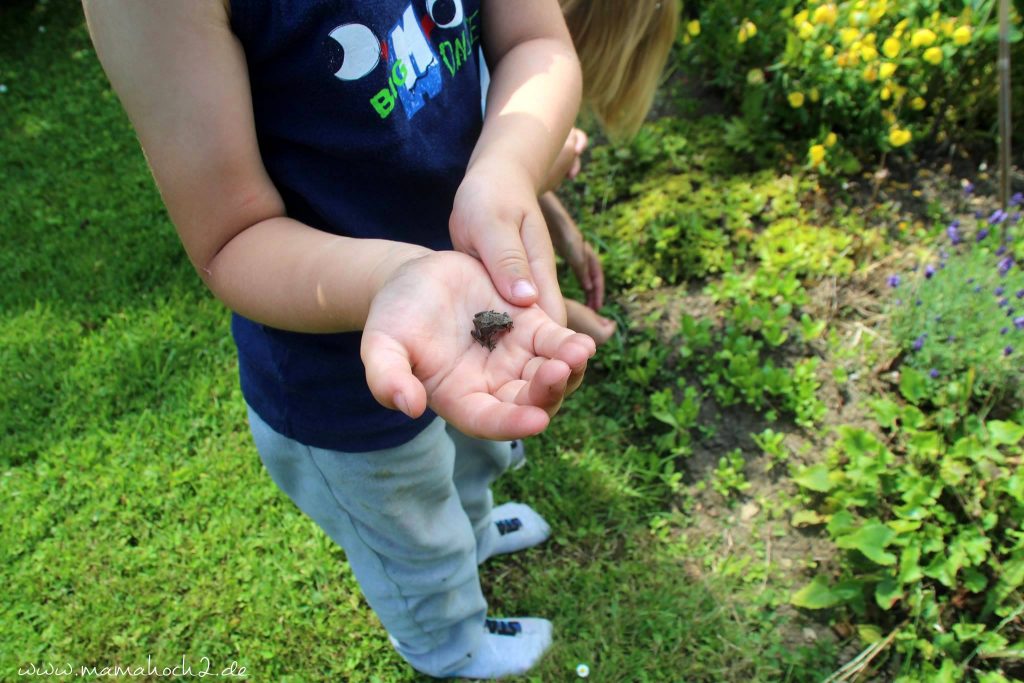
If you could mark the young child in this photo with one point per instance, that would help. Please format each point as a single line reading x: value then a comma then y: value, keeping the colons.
x: 319, y: 159
x: 622, y: 48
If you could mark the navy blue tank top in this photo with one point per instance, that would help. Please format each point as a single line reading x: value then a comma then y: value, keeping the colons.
x: 366, y: 113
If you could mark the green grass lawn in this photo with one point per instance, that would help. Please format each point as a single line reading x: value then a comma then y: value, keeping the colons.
x: 138, y: 524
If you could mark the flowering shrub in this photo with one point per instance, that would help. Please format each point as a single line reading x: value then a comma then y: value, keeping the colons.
x: 960, y: 317
x: 867, y: 75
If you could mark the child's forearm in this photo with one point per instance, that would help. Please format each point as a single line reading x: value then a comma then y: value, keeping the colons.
x: 282, y: 273
x: 535, y: 88
x: 565, y: 235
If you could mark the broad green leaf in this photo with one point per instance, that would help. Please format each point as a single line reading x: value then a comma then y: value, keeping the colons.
x: 925, y: 444
x: 869, y: 633
x: 913, y: 385
x: 991, y: 642
x: 1005, y: 433
x: 974, y: 580
x: 814, y: 478
x: 802, y: 518
x: 909, y: 570
x: 870, y: 539
x: 887, y: 593
x: 841, y: 523
x: 815, y: 595
x: 886, y: 412
x: 953, y: 472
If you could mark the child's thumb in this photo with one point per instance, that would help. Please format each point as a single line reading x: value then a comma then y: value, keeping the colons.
x: 504, y: 257
x: 389, y: 374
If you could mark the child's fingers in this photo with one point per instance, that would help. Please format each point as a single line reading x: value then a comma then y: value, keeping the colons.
x: 487, y: 417
x: 554, y: 341
x: 581, y: 140
x: 546, y: 388
x: 389, y: 374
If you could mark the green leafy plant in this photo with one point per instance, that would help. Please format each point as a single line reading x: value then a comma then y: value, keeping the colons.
x: 959, y: 319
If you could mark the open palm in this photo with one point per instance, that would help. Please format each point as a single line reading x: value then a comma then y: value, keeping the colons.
x: 418, y: 350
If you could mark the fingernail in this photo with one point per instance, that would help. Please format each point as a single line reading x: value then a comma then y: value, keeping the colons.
x: 399, y: 400
x: 522, y: 289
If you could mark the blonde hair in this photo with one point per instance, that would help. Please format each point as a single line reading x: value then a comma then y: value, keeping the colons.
x: 623, y: 46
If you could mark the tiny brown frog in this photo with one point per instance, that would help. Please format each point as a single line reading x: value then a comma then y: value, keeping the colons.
x: 489, y: 325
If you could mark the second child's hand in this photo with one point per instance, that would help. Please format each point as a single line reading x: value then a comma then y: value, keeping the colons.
x: 419, y: 350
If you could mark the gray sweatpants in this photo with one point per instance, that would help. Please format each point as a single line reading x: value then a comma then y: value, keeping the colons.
x: 414, y: 522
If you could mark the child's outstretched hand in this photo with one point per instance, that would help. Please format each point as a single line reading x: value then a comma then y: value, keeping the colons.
x: 419, y: 350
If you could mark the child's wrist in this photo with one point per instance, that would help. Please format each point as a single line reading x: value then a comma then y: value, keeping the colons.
x: 400, y: 254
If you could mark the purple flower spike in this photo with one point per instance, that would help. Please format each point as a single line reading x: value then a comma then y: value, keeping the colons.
x: 999, y: 290
x: 968, y: 187
x: 919, y: 343
x: 1003, y: 303
x: 918, y: 302
x: 982, y: 234
x: 1015, y: 217
x: 1018, y: 322
x: 1020, y: 293
x: 953, y: 232
x: 978, y: 214
x: 1005, y: 264
x: 1008, y: 350
x: 933, y: 373
x: 977, y: 288
x: 1001, y: 250
x: 894, y: 281
x: 1004, y: 330
x: 929, y: 270
x: 1017, y: 199
x: 970, y: 281
x: 997, y: 216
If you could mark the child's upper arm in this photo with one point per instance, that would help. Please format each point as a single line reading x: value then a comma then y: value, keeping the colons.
x: 181, y: 75
x: 511, y: 23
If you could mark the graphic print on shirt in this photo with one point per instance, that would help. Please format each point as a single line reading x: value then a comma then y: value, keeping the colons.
x: 410, y: 65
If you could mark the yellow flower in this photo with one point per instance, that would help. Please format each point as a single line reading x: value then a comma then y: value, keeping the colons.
x: 902, y: 26
x: 828, y: 51
x: 796, y: 99
x: 814, y: 95
x: 891, y: 47
x: 918, y: 103
x: 747, y: 31
x: 848, y: 35
x: 962, y: 35
x: 885, y: 94
x: 870, y: 74
x: 830, y: 139
x: 816, y: 154
x: 693, y: 28
x: 825, y: 14
x: 843, y: 59
x: 868, y: 53
x: 889, y: 116
x: 755, y: 77
x: 806, y: 30
x: 899, y: 136
x: 870, y: 39
x: 933, y: 55
x: 800, y: 17
x: 886, y: 70
x: 923, y: 37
